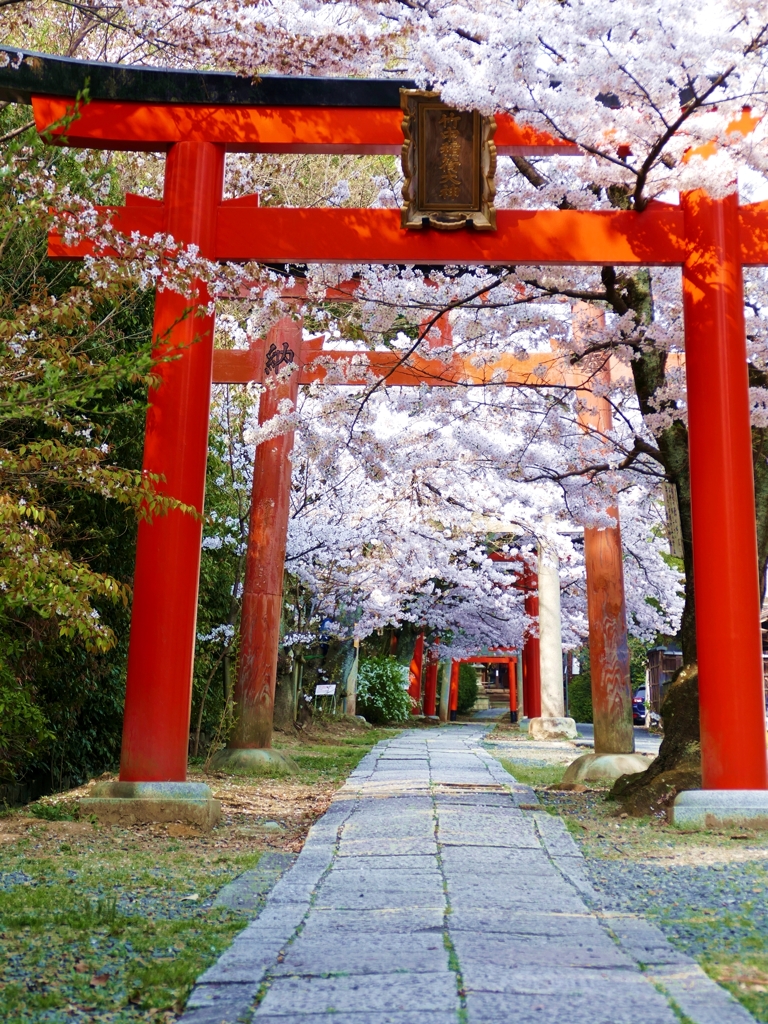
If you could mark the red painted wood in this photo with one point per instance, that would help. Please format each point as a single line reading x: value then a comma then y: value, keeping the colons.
x: 162, y: 639
x: 453, y: 700
x: 512, y: 674
x: 731, y: 698
x: 430, y: 683
x: 324, y: 235
x: 265, y: 561
x: 543, y: 236
x: 531, y: 665
x: 414, y: 675
x: 608, y: 650
x: 107, y: 124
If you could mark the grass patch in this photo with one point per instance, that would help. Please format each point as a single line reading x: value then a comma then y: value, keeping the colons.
x: 114, y: 933
x: 535, y: 775
x: 116, y: 924
x: 327, y: 757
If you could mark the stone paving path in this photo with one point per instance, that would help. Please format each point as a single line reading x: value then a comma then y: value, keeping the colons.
x: 433, y: 891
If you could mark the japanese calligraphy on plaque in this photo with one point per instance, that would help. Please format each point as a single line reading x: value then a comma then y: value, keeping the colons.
x: 449, y: 161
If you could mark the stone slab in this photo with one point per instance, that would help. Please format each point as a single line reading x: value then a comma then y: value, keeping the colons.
x: 393, y: 1017
x: 508, y: 952
x: 127, y: 811
x: 319, y: 954
x: 375, y: 922
x: 564, y: 982
x: 548, y: 1009
x: 412, y: 865
x: 370, y: 993
x: 721, y: 808
x: 698, y: 996
x: 247, y: 892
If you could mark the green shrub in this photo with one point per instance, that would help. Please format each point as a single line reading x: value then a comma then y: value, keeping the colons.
x: 467, y: 688
x: 580, y: 698
x: 382, y: 691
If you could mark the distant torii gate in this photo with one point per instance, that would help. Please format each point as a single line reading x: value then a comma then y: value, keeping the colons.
x: 260, y: 618
x: 197, y: 118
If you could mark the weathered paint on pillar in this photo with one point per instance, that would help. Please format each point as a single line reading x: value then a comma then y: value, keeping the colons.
x: 445, y: 691
x: 512, y: 677
x: 454, y: 705
x: 521, y: 712
x: 610, y: 678
x: 531, y: 661
x: 731, y: 697
x: 414, y: 675
x: 263, y: 584
x: 550, y: 633
x: 430, y: 682
x: 608, y: 649
x: 162, y: 640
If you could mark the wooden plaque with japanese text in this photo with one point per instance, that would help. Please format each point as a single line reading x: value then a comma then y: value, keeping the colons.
x: 449, y: 160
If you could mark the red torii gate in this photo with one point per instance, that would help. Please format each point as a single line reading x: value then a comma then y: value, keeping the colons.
x: 710, y: 240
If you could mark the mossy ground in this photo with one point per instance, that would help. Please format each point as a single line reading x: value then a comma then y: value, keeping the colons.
x: 101, y: 923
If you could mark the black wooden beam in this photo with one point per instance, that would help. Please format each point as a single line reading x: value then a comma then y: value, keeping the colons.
x: 25, y: 74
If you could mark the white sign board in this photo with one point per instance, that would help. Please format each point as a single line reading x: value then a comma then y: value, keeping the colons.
x: 325, y: 690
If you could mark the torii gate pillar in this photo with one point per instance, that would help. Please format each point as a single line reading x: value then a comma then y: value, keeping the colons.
x: 251, y: 740
x: 726, y: 586
x: 153, y: 766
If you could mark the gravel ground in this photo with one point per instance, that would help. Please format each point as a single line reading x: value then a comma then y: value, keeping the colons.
x: 728, y: 902
x: 707, y: 891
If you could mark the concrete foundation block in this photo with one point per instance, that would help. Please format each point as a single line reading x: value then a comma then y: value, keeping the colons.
x: 552, y: 729
x: 720, y: 808
x: 604, y: 767
x: 244, y: 760
x: 138, y: 803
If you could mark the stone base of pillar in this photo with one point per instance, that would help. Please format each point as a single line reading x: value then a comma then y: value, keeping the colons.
x: 552, y: 729
x: 605, y: 767
x: 247, y: 760
x: 700, y: 809
x: 137, y: 803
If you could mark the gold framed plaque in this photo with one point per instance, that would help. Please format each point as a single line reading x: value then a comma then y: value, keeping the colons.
x: 449, y: 161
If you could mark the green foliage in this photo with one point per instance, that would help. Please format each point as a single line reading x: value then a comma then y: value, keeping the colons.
x: 580, y: 697
x: 75, y: 362
x: 638, y: 661
x: 467, y: 688
x: 61, y: 810
x: 382, y: 694
x: 538, y: 776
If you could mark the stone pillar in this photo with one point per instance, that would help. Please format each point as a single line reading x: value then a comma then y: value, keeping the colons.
x: 445, y: 690
x: 552, y: 723
x: 350, y: 698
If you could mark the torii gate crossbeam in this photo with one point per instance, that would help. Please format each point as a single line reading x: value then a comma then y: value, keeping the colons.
x: 710, y: 239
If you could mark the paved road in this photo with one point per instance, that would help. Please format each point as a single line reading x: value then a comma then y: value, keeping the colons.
x: 645, y: 742
x: 434, y: 891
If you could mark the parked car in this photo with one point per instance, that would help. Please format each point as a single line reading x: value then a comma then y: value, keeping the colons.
x: 638, y: 706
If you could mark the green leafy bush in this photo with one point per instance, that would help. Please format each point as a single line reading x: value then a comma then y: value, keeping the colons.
x: 467, y: 688
x: 580, y: 698
x: 382, y: 691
